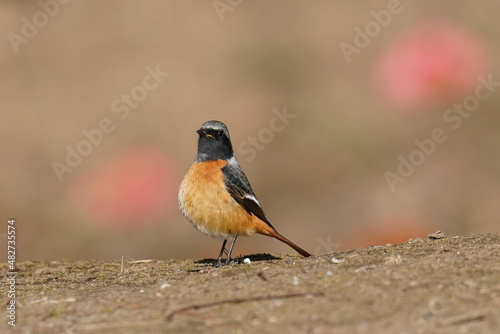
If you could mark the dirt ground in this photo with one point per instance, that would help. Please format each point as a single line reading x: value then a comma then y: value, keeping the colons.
x: 449, y: 285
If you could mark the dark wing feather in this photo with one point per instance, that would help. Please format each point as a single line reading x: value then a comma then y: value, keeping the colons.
x: 238, y: 186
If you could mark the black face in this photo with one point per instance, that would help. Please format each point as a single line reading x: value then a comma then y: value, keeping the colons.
x: 214, y: 142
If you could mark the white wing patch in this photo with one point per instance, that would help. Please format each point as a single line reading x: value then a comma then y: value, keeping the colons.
x: 253, y: 198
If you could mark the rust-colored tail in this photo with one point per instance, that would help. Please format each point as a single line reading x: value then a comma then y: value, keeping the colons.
x: 266, y: 228
x: 275, y: 234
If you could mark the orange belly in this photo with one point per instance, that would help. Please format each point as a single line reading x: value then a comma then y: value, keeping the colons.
x: 206, y: 204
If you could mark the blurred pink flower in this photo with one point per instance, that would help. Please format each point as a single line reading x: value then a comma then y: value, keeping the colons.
x: 134, y: 189
x: 431, y: 63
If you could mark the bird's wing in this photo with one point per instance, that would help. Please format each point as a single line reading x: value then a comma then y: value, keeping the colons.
x: 238, y: 186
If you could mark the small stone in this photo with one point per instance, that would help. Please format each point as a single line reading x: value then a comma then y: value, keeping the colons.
x: 247, y: 260
x: 165, y: 285
x: 437, y: 235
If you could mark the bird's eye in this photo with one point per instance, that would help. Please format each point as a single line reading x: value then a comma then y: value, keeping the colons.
x: 220, y: 133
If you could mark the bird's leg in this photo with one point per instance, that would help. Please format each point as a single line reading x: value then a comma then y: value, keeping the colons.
x: 228, y: 258
x: 219, y: 259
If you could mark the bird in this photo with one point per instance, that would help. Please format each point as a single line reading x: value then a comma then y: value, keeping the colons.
x: 216, y: 197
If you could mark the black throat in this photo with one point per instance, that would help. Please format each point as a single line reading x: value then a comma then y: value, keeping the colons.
x: 211, y: 149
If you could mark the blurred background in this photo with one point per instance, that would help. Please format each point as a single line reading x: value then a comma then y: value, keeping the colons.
x: 358, y: 123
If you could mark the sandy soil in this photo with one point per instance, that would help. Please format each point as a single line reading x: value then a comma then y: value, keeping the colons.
x: 449, y: 285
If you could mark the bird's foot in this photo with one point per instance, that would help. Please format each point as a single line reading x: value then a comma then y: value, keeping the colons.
x: 226, y: 262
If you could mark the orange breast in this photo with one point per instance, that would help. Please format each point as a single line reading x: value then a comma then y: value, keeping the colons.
x: 206, y: 204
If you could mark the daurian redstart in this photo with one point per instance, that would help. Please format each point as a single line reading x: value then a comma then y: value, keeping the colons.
x: 216, y: 197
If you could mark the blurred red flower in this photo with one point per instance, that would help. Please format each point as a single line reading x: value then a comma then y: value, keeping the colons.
x: 431, y: 63
x: 133, y: 189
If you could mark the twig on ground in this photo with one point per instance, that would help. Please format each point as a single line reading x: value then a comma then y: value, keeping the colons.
x: 171, y: 315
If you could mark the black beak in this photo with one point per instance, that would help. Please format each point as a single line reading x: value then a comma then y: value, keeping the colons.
x: 203, y: 133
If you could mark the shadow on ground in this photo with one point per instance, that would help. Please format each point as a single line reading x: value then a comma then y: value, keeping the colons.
x: 449, y: 285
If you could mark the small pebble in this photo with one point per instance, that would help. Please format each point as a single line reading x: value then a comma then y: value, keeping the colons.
x: 437, y: 235
x: 247, y: 260
x: 336, y: 261
x: 165, y: 285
